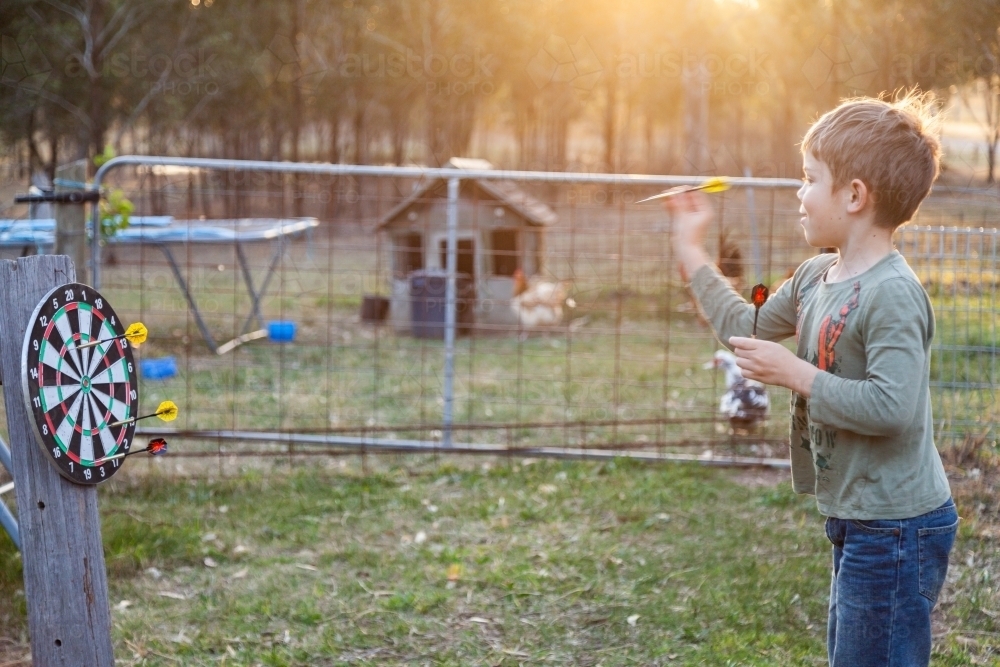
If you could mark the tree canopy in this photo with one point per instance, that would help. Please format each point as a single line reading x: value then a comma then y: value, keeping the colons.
x: 684, y: 86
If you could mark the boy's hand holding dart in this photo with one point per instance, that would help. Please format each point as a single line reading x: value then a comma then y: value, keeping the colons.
x: 762, y: 360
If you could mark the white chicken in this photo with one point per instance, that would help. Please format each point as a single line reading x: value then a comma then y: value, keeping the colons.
x: 745, y: 402
x: 539, y: 304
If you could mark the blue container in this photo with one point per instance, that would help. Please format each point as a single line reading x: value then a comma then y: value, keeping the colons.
x: 281, y: 331
x: 158, y: 369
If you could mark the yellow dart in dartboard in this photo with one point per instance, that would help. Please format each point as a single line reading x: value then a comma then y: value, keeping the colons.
x: 717, y: 184
x: 135, y: 334
x: 167, y: 411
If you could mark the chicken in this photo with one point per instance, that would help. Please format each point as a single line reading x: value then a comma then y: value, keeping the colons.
x: 539, y: 303
x: 745, y: 402
x: 730, y: 261
x: 520, y: 282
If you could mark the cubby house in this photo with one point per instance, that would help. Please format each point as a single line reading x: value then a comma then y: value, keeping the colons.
x: 500, y: 229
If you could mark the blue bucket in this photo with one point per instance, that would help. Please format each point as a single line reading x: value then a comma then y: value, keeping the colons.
x: 158, y: 369
x: 281, y: 331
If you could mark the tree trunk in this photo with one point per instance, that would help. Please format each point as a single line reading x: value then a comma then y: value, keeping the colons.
x: 648, y: 139
x: 331, y: 204
x: 695, y: 119
x: 98, y: 115
x: 297, y: 198
x: 991, y: 156
x: 611, y: 102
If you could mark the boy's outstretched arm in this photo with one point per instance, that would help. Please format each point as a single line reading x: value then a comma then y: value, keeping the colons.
x: 692, y: 215
x: 727, y: 311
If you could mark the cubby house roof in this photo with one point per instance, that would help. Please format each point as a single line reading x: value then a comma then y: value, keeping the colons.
x: 531, y: 209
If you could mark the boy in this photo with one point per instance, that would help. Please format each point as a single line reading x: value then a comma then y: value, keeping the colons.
x: 861, y: 426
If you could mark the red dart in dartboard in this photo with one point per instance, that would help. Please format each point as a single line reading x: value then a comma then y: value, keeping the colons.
x: 156, y: 447
x: 758, y: 295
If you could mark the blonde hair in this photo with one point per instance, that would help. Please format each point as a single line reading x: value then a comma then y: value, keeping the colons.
x: 891, y: 146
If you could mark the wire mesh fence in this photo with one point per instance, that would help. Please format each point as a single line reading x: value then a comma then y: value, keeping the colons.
x: 296, y: 313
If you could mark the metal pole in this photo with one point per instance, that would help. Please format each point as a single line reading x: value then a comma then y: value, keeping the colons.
x: 95, y: 234
x: 621, y: 180
x: 449, y: 312
x: 7, y: 520
x: 754, y: 236
x: 398, y: 445
x: 71, y: 219
x: 5, y: 457
x: 9, y: 523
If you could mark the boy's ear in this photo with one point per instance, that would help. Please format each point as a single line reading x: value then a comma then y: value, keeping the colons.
x: 858, y: 195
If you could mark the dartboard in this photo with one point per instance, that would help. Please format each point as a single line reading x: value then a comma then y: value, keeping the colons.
x: 83, y: 399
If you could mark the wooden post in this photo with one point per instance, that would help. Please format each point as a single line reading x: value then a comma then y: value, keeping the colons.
x: 71, y: 221
x: 65, y: 582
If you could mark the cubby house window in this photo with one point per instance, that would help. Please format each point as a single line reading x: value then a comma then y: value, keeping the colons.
x: 409, y: 253
x: 466, y: 256
x: 503, y: 244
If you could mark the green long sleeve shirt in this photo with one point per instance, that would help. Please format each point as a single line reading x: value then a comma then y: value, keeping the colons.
x: 863, y: 442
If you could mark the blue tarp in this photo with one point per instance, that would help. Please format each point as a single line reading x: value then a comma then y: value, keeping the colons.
x: 162, y: 229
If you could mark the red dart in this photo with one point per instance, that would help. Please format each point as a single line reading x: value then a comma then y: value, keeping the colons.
x: 758, y: 295
x: 157, y: 446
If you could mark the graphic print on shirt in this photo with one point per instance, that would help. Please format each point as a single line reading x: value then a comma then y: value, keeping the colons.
x: 800, y: 421
x: 829, y: 333
x: 823, y: 441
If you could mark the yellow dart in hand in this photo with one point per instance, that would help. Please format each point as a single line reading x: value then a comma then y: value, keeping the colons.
x: 716, y: 184
x: 135, y: 334
x: 167, y: 411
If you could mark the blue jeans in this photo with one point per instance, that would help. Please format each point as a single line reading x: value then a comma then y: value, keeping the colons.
x: 887, y: 575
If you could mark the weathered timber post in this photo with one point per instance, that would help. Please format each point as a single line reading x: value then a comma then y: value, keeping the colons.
x: 65, y: 582
x: 71, y: 223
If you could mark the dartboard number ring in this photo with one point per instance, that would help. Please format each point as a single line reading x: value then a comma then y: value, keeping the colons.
x: 78, y: 397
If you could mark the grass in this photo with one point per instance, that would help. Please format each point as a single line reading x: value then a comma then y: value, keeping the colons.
x: 503, y: 563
